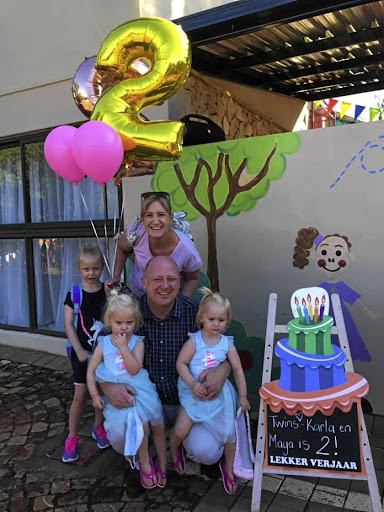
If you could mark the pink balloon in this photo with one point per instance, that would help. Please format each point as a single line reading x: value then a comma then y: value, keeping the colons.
x: 98, y: 150
x: 58, y: 153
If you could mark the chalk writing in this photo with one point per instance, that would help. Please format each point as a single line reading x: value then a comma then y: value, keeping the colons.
x: 328, y: 443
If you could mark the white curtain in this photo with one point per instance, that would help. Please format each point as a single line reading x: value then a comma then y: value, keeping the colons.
x: 13, y: 294
x: 52, y: 199
x: 55, y: 273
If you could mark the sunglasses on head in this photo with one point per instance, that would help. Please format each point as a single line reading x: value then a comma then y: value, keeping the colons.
x: 163, y: 195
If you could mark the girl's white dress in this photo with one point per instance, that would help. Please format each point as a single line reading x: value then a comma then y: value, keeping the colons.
x: 217, y: 415
x: 147, y: 403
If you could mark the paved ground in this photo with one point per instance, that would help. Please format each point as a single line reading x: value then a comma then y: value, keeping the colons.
x: 35, y: 393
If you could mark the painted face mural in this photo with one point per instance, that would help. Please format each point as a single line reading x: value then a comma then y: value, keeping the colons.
x: 332, y: 256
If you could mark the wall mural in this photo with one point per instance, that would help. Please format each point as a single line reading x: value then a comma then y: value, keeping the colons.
x: 247, y: 244
x: 332, y: 255
x: 228, y: 177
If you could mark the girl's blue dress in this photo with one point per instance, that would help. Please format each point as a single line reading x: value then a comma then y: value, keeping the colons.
x: 147, y: 402
x: 217, y: 415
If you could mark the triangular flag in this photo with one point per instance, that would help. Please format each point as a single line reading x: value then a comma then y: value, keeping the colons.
x: 373, y: 113
x: 344, y: 107
x: 358, y: 111
x: 331, y: 104
x: 317, y: 104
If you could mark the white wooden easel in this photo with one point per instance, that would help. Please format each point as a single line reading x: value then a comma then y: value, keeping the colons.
x: 338, y: 329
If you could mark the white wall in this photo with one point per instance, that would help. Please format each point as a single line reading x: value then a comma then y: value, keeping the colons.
x: 43, y: 43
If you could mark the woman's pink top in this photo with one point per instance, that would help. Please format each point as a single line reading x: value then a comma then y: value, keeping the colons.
x: 185, y: 256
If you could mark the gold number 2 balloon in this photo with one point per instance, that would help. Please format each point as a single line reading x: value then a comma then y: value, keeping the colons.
x: 165, y: 49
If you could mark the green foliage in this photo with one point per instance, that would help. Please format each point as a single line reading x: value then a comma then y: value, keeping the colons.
x: 255, y: 149
x: 203, y: 281
x: 250, y: 349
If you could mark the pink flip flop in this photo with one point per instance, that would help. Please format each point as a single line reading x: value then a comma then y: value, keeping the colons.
x: 179, y: 465
x: 227, y: 479
x: 161, y: 475
x: 151, y: 476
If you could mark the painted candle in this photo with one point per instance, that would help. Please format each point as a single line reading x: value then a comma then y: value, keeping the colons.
x: 310, y: 310
x: 306, y: 314
x: 299, y: 312
x: 322, y: 308
x: 316, y: 314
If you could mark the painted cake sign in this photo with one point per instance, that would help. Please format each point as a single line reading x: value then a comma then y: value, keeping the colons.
x: 312, y: 412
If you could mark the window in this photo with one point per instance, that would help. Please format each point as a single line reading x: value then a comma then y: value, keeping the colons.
x: 44, y: 220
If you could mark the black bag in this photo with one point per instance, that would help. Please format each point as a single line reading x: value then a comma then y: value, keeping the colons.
x: 200, y: 130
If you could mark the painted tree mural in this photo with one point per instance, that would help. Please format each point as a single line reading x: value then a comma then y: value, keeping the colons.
x: 226, y: 177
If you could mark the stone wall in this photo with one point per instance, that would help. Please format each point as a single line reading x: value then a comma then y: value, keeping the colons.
x: 237, y: 120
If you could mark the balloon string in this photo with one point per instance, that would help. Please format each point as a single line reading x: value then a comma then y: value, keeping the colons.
x: 115, y: 237
x: 94, y: 230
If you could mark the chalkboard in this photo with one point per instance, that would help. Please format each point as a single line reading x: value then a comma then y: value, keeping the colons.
x: 315, y: 443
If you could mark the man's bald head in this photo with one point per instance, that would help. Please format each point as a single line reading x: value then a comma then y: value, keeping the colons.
x: 158, y: 261
x: 161, y: 281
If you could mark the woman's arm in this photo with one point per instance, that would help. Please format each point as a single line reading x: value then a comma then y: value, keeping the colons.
x: 191, y: 280
x: 185, y: 355
x: 122, y: 252
x: 238, y: 373
x: 81, y: 353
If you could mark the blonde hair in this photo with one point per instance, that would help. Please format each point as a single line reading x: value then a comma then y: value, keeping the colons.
x: 90, y: 250
x: 151, y: 199
x: 117, y: 301
x: 215, y: 297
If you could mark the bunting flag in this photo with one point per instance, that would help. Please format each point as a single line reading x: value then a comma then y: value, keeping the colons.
x: 331, y: 104
x: 358, y: 110
x: 373, y: 113
x: 344, y: 107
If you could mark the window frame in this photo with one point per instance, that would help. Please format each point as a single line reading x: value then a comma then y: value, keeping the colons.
x: 28, y: 231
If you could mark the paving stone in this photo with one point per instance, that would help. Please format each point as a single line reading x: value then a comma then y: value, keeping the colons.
x: 242, y: 505
x: 334, y: 489
x: 357, y: 501
x: 43, y: 503
x: 290, y: 502
x: 134, y: 507
x: 271, y: 483
x: 112, y: 507
x: 39, y: 427
x: 42, y: 361
x: 19, y: 505
x: 20, y: 430
x: 17, y: 440
x: 327, y: 498
x: 321, y: 507
x: 297, y: 488
x: 207, y: 506
x: 218, y: 496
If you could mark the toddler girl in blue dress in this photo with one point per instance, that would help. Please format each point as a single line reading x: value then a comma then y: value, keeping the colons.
x: 122, y: 353
x: 204, y: 349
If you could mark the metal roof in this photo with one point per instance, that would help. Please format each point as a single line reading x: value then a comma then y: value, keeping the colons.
x: 311, y: 49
